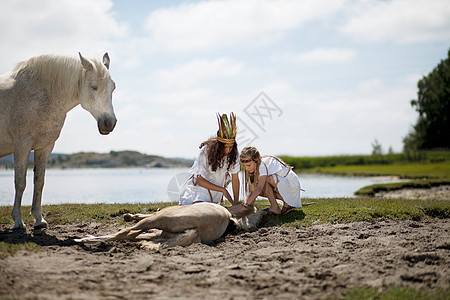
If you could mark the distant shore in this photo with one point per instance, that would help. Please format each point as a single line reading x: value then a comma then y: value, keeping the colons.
x: 113, y: 159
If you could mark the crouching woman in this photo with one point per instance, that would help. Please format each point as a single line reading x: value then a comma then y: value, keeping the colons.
x: 270, y: 177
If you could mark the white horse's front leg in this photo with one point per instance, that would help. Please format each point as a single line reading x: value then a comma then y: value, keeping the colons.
x: 40, y: 162
x: 20, y: 180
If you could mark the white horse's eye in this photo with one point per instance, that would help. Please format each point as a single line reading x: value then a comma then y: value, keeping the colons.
x: 94, y: 88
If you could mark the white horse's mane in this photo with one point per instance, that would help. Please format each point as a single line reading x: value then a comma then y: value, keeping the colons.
x: 57, y: 74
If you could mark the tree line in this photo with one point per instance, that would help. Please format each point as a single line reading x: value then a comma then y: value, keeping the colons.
x: 432, y: 129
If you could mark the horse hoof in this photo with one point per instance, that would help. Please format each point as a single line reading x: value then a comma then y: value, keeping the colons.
x: 128, y: 217
x: 40, y: 225
x: 19, y: 225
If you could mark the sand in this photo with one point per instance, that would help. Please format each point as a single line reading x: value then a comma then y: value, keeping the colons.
x: 433, y: 193
x: 318, y: 262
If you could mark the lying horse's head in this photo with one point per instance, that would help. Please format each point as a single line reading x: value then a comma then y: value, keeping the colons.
x: 244, y: 219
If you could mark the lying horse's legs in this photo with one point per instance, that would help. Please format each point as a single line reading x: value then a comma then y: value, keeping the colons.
x: 40, y: 162
x: 168, y: 239
x: 130, y: 233
x: 21, y: 155
x: 134, y: 217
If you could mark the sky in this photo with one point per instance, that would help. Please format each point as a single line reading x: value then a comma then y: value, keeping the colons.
x: 305, y: 78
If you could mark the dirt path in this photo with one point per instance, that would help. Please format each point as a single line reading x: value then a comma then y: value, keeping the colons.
x: 319, y: 262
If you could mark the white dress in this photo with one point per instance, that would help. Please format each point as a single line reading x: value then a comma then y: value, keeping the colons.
x: 191, y: 192
x: 288, y: 184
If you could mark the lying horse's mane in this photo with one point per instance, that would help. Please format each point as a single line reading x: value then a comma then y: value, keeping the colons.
x: 59, y: 75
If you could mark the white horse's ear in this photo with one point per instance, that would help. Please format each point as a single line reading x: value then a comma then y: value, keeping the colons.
x: 86, y: 64
x: 106, y: 60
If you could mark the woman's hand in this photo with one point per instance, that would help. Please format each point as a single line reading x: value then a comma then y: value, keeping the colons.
x: 228, y: 196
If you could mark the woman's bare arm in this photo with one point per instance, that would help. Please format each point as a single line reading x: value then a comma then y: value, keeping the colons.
x: 213, y: 187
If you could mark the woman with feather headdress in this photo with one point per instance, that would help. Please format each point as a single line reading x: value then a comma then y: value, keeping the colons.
x: 216, y: 164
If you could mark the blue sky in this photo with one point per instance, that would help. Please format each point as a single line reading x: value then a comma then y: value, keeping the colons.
x: 305, y: 78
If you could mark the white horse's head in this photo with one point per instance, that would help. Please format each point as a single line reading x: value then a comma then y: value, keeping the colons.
x: 96, y: 93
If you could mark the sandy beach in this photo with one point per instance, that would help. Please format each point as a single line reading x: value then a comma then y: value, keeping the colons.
x: 318, y: 262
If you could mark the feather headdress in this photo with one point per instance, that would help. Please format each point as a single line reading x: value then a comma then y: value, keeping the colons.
x: 227, y: 129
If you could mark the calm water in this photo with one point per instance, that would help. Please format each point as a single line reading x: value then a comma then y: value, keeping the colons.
x: 147, y: 186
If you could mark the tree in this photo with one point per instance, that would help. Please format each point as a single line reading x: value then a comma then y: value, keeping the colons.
x: 390, y: 151
x: 432, y: 129
x: 376, y: 148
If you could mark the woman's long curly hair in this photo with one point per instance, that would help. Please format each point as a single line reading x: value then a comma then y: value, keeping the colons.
x: 215, y: 154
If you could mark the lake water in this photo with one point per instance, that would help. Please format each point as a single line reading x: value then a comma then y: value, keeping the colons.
x: 148, y: 185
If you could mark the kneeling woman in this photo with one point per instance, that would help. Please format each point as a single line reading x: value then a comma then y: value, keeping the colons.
x: 217, y: 163
x: 270, y: 177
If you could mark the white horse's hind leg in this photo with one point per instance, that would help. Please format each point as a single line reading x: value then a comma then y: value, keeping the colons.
x: 135, y: 217
x: 21, y: 155
x: 40, y: 162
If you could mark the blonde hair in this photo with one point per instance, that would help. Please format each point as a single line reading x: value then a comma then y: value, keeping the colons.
x: 250, y: 154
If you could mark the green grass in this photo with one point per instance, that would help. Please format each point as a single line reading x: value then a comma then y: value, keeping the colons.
x: 396, y: 293
x: 301, y: 163
x: 7, y: 249
x: 408, y: 170
x: 77, y: 213
x: 423, y: 175
x: 322, y: 211
x: 346, y: 210
x: 329, y: 210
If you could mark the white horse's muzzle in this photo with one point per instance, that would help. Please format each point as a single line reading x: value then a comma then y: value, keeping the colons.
x: 106, y: 124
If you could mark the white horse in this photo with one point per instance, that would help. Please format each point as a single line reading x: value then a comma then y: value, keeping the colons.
x: 183, y: 225
x: 34, y: 100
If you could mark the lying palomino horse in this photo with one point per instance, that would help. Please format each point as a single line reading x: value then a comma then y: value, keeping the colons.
x: 183, y: 225
x: 34, y: 100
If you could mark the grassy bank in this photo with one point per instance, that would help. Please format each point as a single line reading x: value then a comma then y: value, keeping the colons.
x: 329, y: 210
x: 422, y: 175
x: 322, y: 211
x: 439, y: 170
x: 372, y: 190
x: 422, y: 157
x: 425, y: 169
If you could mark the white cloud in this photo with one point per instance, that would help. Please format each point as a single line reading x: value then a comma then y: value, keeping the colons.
x: 400, y: 21
x: 320, y: 56
x: 330, y: 121
x: 211, y: 24
x: 165, y: 102
x: 197, y: 71
x: 34, y: 27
